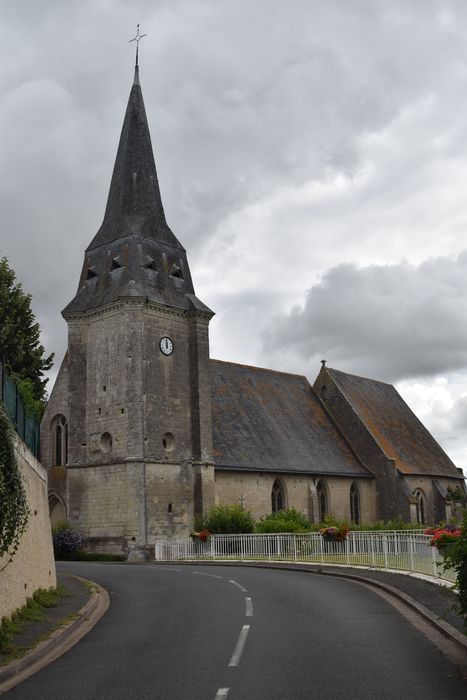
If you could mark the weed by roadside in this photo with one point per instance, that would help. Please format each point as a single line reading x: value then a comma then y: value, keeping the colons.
x: 32, y: 611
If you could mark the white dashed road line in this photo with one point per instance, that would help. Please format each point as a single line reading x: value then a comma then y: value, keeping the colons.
x: 222, y: 693
x: 201, y: 573
x: 248, y: 607
x: 243, y: 590
x: 236, y: 656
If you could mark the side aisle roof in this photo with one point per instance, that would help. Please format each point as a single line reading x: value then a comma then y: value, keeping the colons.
x: 272, y: 421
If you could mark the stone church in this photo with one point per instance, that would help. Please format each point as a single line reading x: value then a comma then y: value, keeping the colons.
x: 143, y: 430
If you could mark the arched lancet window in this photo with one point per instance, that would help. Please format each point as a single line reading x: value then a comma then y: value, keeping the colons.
x: 322, y: 500
x: 59, y: 441
x: 277, y: 497
x: 420, y: 504
x: 354, y: 504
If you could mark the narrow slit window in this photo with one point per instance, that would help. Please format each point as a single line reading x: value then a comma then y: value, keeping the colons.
x: 354, y: 504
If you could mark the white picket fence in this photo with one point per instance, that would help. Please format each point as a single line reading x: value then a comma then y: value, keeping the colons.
x: 401, y: 550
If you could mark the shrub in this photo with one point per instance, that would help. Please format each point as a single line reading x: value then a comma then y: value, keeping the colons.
x: 228, y: 520
x: 455, y: 557
x: 283, y: 521
x: 66, y: 541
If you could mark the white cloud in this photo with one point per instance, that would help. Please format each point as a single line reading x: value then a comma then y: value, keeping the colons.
x: 386, y: 321
x: 441, y: 404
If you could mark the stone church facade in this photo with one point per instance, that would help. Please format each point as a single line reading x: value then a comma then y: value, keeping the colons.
x: 143, y: 430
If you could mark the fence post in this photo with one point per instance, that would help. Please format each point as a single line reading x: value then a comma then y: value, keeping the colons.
x: 410, y: 543
x: 278, y: 546
x: 434, y: 562
x: 372, y: 542
x: 295, y: 547
x: 385, y: 551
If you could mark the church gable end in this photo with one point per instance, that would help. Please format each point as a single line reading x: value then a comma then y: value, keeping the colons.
x: 390, y: 441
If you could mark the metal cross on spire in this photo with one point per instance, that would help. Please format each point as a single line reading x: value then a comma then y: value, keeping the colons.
x: 137, y: 38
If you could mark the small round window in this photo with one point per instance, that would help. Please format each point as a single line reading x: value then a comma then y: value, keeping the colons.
x: 106, y: 442
x: 168, y: 442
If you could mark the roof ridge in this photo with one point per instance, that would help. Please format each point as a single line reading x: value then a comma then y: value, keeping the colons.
x: 359, y: 376
x: 261, y: 369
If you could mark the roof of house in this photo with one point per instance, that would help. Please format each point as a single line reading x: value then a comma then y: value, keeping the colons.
x: 273, y: 421
x: 394, y: 426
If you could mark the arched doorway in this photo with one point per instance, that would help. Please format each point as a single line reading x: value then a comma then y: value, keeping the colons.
x: 57, y: 510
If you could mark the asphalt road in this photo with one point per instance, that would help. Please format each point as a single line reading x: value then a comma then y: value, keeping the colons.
x: 178, y: 632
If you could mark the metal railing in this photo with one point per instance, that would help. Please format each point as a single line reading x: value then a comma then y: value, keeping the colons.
x: 26, y: 425
x: 398, y: 550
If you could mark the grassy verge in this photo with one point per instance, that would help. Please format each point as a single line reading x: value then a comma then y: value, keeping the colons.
x: 32, y: 611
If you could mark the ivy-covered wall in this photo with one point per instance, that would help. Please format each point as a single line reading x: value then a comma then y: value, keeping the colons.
x: 33, y: 564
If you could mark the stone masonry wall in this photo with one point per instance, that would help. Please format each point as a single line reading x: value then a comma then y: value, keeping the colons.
x: 108, y: 501
x: 33, y: 565
x: 255, y: 490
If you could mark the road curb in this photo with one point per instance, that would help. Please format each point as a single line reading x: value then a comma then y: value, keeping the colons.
x: 441, y: 625
x: 60, y: 641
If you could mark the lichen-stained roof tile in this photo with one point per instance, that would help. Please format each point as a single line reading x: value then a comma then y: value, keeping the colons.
x: 272, y: 421
x: 394, y: 426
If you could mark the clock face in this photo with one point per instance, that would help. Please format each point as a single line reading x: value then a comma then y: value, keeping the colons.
x: 166, y: 345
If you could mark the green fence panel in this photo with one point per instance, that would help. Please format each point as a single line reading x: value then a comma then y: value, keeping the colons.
x: 31, y: 434
x: 26, y: 426
x: 9, y: 397
x: 20, y: 417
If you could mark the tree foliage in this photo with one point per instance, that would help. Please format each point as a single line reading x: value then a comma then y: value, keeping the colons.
x: 20, y: 345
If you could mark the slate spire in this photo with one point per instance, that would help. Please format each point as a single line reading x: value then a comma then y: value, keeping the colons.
x: 134, y: 204
x: 134, y: 254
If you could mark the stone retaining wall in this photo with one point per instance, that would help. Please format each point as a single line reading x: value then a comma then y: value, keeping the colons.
x: 33, y: 565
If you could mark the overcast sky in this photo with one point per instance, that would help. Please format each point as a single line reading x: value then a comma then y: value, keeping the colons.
x: 312, y: 158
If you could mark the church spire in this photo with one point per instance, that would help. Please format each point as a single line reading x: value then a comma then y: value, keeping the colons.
x: 134, y: 254
x: 134, y: 204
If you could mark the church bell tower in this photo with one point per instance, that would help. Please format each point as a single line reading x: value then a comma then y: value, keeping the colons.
x: 132, y: 398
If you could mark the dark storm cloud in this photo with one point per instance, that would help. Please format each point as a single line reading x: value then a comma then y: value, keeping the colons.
x: 386, y: 321
x: 289, y: 138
